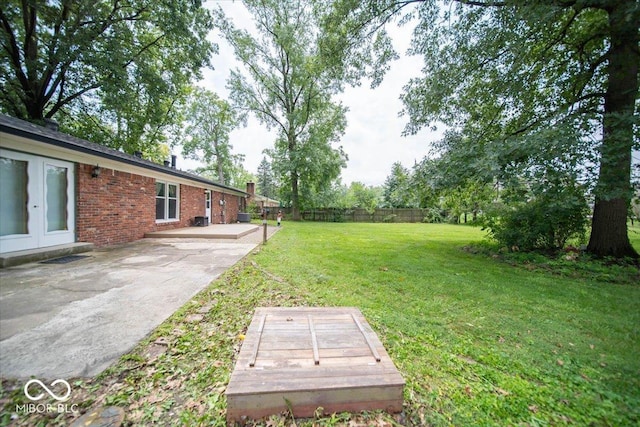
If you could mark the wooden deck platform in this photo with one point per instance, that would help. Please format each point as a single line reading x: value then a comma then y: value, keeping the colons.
x: 307, y: 358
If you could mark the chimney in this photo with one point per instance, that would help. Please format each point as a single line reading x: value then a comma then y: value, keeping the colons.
x: 251, y: 188
x: 173, y: 160
x: 51, y: 124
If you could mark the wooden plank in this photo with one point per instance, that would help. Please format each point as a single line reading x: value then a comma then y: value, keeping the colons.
x: 344, y: 395
x: 300, y: 344
x: 341, y: 340
x: 280, y: 359
x: 252, y: 361
x: 342, y: 373
x: 327, y: 353
x: 304, y: 404
x: 314, y: 341
x: 333, y: 370
x: 352, y: 362
x: 294, y: 385
x: 375, y: 353
x: 283, y: 335
x: 279, y: 325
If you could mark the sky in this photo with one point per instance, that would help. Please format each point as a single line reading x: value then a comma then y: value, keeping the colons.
x: 372, y: 139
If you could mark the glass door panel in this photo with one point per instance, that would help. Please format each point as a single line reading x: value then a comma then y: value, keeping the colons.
x: 37, y: 202
x: 56, y: 198
x: 13, y: 197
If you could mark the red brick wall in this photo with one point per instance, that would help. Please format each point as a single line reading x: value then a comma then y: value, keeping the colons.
x: 224, y: 214
x: 216, y: 208
x: 233, y: 207
x: 116, y: 207
x: 191, y: 205
x: 119, y: 207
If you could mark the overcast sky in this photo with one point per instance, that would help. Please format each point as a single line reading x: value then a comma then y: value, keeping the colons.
x: 372, y: 139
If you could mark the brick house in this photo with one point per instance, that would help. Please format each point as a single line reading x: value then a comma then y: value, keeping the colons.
x: 56, y: 189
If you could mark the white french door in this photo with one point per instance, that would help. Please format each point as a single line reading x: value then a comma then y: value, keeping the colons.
x: 37, y: 197
x: 207, y: 205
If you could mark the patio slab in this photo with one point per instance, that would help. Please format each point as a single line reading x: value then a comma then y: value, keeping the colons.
x: 76, y: 319
x: 212, y: 231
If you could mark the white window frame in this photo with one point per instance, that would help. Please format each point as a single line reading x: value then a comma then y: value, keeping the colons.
x: 166, y: 199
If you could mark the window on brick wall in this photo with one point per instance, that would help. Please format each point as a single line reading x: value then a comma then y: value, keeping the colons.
x: 166, y: 201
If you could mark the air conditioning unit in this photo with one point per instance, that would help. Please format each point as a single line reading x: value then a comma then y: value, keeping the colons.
x: 201, y: 221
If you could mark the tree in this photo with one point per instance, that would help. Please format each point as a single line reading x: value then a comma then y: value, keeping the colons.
x: 287, y: 88
x: 210, y: 120
x: 364, y: 196
x: 238, y: 177
x: 115, y: 67
x: 498, y: 70
x: 397, y: 189
x: 266, y: 184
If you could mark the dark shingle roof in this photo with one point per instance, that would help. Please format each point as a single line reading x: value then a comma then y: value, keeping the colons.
x: 43, y: 134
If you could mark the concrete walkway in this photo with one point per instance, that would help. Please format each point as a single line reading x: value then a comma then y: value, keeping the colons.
x: 76, y: 319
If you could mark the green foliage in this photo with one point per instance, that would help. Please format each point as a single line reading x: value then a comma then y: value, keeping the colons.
x: 545, y: 223
x: 312, y: 159
x: 398, y: 189
x: 267, y: 184
x: 109, y: 71
x: 238, y: 175
x: 354, y: 44
x: 433, y: 216
x: 287, y: 87
x: 542, y: 203
x: 340, y: 196
x: 210, y: 120
x: 363, y: 196
x: 497, y: 71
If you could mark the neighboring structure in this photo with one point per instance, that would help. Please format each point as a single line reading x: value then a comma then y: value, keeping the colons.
x: 57, y: 189
x: 260, y: 201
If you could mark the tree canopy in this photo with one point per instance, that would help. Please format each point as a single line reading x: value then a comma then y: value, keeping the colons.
x: 398, y: 189
x: 210, y: 120
x: 286, y: 86
x: 507, y: 73
x: 116, y: 68
x: 267, y: 184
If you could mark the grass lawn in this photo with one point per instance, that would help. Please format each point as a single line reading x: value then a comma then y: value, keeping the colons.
x: 480, y: 339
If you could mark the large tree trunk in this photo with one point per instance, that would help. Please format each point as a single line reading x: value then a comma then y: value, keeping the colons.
x: 293, y: 174
x: 609, y: 236
x: 295, y: 197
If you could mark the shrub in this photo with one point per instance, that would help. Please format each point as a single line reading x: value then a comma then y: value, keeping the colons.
x: 544, y: 223
x: 433, y: 215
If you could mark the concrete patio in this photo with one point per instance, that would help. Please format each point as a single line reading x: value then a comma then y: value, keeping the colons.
x: 76, y: 319
x: 212, y: 231
x: 217, y: 231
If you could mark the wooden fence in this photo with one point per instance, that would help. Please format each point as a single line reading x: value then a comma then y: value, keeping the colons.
x: 361, y: 215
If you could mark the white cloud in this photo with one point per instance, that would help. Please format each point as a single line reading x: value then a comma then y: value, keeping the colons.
x: 372, y: 139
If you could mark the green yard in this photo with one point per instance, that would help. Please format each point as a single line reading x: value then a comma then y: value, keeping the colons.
x: 480, y: 339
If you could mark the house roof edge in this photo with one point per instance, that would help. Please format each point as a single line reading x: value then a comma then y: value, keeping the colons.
x: 22, y: 128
